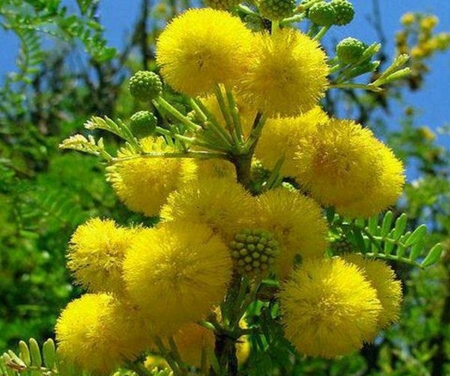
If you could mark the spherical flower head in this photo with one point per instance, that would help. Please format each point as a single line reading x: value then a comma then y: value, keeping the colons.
x: 350, y: 50
x: 297, y: 224
x: 143, y: 124
x: 344, y: 12
x: 280, y: 138
x: 177, y: 272
x: 287, y: 74
x: 223, y: 205
x: 98, y: 333
x: 322, y: 14
x: 201, y: 48
x: 329, y: 309
x: 143, y: 183
x: 276, y: 9
x: 382, y: 278
x: 96, y: 252
x: 145, y: 86
x: 254, y: 251
x: 339, y: 163
x: 384, y: 192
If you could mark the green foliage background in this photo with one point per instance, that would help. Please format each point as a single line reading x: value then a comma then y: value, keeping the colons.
x: 45, y: 193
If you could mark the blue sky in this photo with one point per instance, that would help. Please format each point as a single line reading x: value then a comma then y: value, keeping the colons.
x: 433, y: 100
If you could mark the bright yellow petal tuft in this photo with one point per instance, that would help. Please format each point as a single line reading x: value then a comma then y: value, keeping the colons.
x: 281, y: 137
x: 224, y: 205
x: 201, y: 48
x: 287, y: 75
x: 341, y: 164
x: 297, y: 223
x: 329, y: 309
x: 98, y: 333
x: 382, y: 278
x: 177, y: 272
x: 96, y: 252
x: 143, y: 184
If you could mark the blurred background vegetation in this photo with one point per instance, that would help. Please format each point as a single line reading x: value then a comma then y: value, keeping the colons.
x: 66, y: 73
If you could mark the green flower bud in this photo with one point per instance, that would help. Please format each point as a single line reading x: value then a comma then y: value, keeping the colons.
x: 350, y: 50
x: 276, y: 9
x: 344, y: 12
x: 222, y: 4
x: 254, y: 250
x: 143, y: 124
x: 341, y: 246
x: 145, y: 85
x: 322, y: 14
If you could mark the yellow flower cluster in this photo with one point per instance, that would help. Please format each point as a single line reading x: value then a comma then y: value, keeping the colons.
x: 419, y: 38
x: 260, y: 93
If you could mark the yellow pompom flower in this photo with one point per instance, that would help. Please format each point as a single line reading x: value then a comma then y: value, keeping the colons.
x: 224, y: 205
x: 382, y: 278
x: 177, y: 272
x: 143, y: 184
x: 329, y: 309
x: 96, y: 252
x: 287, y: 75
x: 97, y: 333
x: 384, y: 192
x: 297, y: 223
x: 201, y: 48
x: 340, y: 163
x: 280, y: 138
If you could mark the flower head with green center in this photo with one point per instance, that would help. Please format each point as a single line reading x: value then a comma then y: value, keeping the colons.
x: 281, y: 136
x: 382, y: 278
x: 143, y: 183
x: 296, y: 222
x: 329, y: 309
x: 254, y: 251
x: 177, y: 272
x: 287, y: 74
x: 222, y: 204
x: 96, y: 252
x: 201, y: 48
x: 98, y: 333
x: 339, y: 163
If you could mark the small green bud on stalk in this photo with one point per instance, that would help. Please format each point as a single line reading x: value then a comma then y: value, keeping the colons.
x: 344, y: 12
x: 143, y: 124
x: 350, y: 50
x: 322, y: 14
x: 145, y: 86
x: 275, y: 10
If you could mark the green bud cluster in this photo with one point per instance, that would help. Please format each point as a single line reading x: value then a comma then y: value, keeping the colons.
x: 337, y: 12
x: 143, y: 124
x: 350, y: 50
x: 344, y: 12
x: 254, y: 250
x: 222, y: 4
x: 276, y: 9
x: 340, y: 246
x: 145, y: 85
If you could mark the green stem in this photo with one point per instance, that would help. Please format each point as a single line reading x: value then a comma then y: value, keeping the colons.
x: 321, y: 33
x: 176, y: 114
x: 275, y: 27
x: 296, y: 18
x: 235, y: 114
x: 226, y: 114
x: 247, y: 10
x: 356, y: 86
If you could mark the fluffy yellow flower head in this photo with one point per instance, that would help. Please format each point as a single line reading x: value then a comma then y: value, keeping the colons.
x: 143, y: 184
x: 96, y: 252
x: 287, y: 75
x: 329, y: 309
x: 339, y: 163
x: 222, y: 204
x: 281, y: 136
x: 203, y: 47
x: 384, y: 192
x: 297, y: 223
x: 97, y: 333
x: 382, y: 278
x: 177, y: 272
